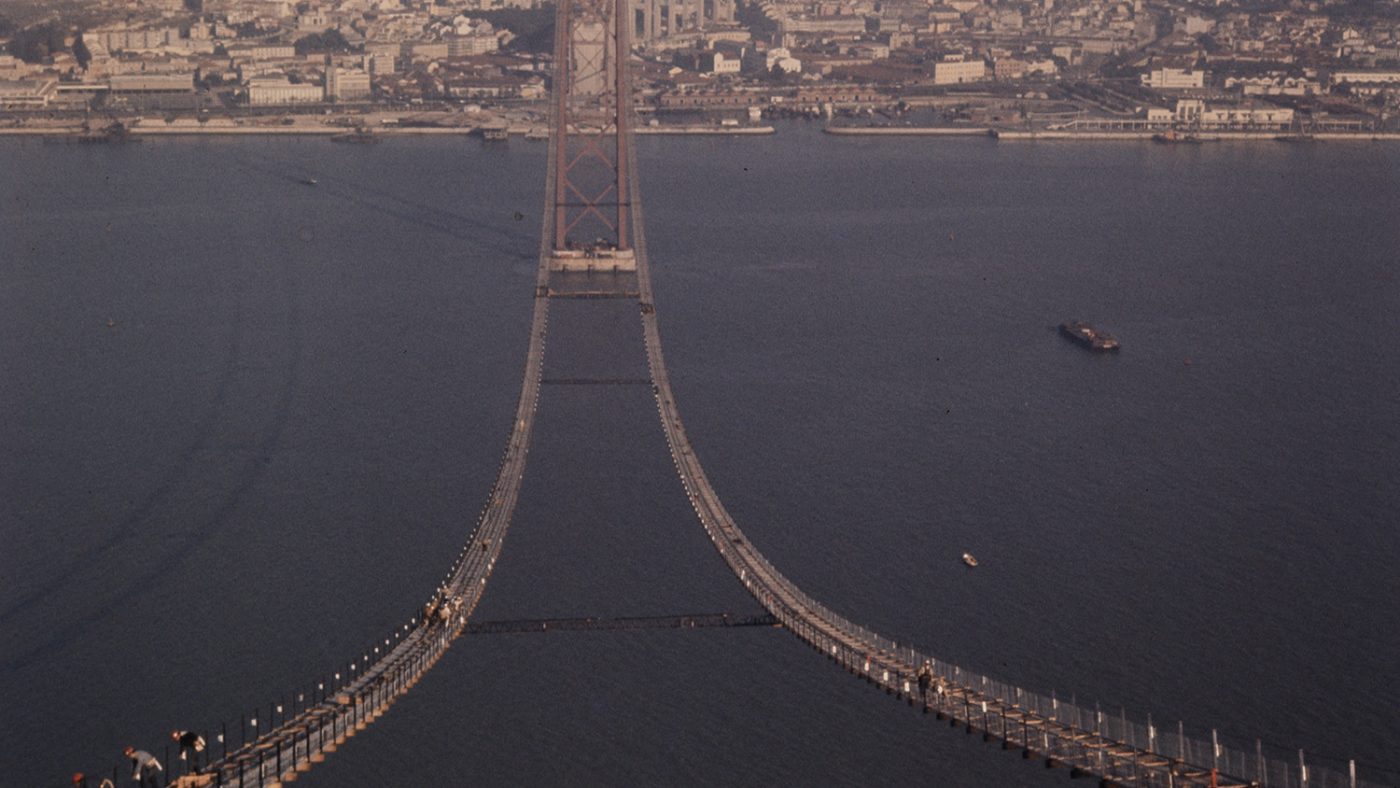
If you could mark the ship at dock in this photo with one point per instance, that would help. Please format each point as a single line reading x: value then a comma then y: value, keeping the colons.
x: 359, y: 136
x: 1174, y: 137
x: 1083, y: 334
x: 114, y: 133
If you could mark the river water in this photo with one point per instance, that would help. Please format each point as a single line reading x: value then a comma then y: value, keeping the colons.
x: 246, y: 423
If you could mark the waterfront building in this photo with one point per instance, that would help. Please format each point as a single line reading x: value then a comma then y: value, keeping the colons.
x: 712, y: 99
x: 151, y: 83
x: 279, y: 91
x: 1195, y: 113
x: 26, y: 93
x: 836, y: 95
x: 77, y: 95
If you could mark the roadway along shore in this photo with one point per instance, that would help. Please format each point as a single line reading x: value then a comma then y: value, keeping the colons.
x: 143, y: 130
x: 305, y: 130
x: 1107, y: 136
x: 910, y: 131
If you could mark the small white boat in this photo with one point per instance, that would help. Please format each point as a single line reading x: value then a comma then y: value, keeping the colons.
x: 969, y: 559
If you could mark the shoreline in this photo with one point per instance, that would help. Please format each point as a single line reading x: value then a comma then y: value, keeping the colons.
x: 221, y: 129
x: 141, y: 130
x: 1111, y: 136
x: 1216, y: 136
x: 738, y: 131
x: 908, y: 131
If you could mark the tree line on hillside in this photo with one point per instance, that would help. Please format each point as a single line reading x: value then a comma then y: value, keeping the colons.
x: 33, y: 44
x: 329, y: 42
x: 533, y: 27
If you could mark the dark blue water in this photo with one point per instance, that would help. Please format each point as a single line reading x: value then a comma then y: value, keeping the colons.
x: 269, y: 456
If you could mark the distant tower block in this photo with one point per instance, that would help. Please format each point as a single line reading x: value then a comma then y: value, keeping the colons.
x: 654, y: 19
x: 592, y: 204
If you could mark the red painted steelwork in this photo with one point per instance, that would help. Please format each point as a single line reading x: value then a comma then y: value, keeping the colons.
x: 592, y: 102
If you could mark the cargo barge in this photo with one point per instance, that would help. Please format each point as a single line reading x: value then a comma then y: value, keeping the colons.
x: 1084, y: 334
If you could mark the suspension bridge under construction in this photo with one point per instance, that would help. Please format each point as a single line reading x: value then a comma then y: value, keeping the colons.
x: 593, y: 247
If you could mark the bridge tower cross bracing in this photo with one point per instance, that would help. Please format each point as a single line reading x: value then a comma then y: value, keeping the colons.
x: 589, y: 182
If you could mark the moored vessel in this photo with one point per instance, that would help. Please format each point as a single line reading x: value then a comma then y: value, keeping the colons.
x: 114, y: 133
x: 1173, y: 136
x: 1084, y: 334
x: 358, y: 136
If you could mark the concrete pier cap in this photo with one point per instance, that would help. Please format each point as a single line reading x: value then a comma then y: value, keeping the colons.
x: 592, y: 260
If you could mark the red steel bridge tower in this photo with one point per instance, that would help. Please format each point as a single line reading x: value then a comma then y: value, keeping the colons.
x: 588, y: 174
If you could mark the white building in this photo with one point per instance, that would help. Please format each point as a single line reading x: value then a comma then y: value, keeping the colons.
x: 152, y: 83
x: 719, y: 64
x: 347, y: 84
x: 764, y: 60
x: 707, y: 61
x: 424, y: 50
x: 836, y: 25
x: 379, y: 63
x: 1195, y: 113
x: 263, y: 52
x: 1366, y: 77
x: 1174, y: 79
x: 122, y: 39
x: 474, y: 44
x: 1272, y: 85
x: 952, y: 72
x: 1158, y: 116
x: 26, y: 93
x: 277, y: 91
